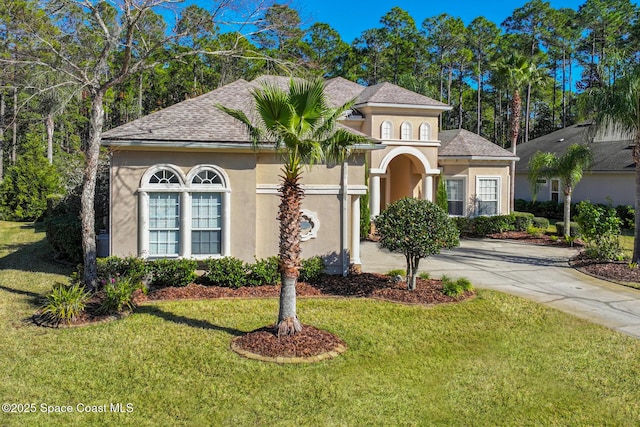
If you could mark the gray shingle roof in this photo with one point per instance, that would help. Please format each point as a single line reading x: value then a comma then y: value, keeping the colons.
x: 387, y: 93
x: 611, y: 156
x: 462, y: 143
x: 195, y: 119
x: 198, y: 119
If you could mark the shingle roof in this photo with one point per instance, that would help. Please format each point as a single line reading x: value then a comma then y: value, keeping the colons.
x: 462, y: 143
x: 387, y: 93
x: 614, y: 155
x: 195, y: 119
x: 199, y: 120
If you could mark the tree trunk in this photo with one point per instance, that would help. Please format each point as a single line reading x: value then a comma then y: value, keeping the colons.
x: 14, y: 145
x: 567, y: 213
x: 636, y: 233
x: 412, y: 271
x: 50, y: 127
x: 1, y: 135
x: 289, y: 217
x: 87, y: 211
x: 516, y: 107
x: 527, y: 114
x: 479, y: 106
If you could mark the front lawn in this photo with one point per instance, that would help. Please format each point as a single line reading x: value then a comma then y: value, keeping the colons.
x: 494, y: 360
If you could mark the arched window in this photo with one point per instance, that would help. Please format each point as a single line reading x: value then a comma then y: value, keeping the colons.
x: 184, y: 215
x: 425, y: 131
x: 386, y: 130
x: 405, y: 130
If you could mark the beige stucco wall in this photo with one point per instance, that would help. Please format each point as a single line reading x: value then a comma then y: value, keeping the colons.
x: 470, y: 171
x: 598, y: 187
x: 253, y: 179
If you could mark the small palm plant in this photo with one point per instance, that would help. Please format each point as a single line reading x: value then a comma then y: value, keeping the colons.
x: 64, y: 303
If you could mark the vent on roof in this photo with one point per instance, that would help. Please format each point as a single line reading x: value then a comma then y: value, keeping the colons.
x: 561, y: 140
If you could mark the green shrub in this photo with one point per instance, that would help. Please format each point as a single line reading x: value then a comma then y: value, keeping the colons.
x: 485, y: 225
x: 311, y: 269
x: 264, y: 272
x: 464, y: 225
x: 535, y: 231
x: 548, y: 209
x: 64, y: 233
x: 424, y: 275
x: 574, y: 230
x: 627, y: 216
x: 172, y: 272
x: 64, y: 303
x: 113, y: 267
x: 396, y: 272
x: 522, y: 220
x: 228, y: 271
x: 455, y: 288
x: 540, y: 222
x: 600, y: 229
x: 365, y: 216
x: 118, y: 295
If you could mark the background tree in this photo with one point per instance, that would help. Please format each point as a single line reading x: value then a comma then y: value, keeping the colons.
x: 569, y: 168
x: 303, y: 127
x: 416, y: 228
x: 617, y: 109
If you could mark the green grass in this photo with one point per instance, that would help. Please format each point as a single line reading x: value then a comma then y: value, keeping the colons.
x: 626, y: 240
x: 494, y: 360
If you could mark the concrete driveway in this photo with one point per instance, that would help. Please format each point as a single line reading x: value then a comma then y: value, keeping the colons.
x: 539, y: 273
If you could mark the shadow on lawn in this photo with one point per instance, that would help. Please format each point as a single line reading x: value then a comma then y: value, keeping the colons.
x: 194, y: 323
x: 34, y: 299
x: 32, y: 257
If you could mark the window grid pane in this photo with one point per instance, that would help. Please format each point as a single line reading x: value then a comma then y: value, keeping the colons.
x: 424, y: 132
x: 487, y: 196
x: 386, y: 130
x: 206, y: 211
x: 164, y: 223
x: 405, y: 130
x: 455, y: 196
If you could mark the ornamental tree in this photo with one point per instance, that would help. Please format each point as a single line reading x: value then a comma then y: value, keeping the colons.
x: 417, y: 228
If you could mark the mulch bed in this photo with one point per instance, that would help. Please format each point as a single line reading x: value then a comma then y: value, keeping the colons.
x: 525, y: 237
x: 610, y: 270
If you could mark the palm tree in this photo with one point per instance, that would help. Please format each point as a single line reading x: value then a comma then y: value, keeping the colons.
x: 303, y: 127
x: 517, y: 72
x: 569, y: 168
x: 617, y: 108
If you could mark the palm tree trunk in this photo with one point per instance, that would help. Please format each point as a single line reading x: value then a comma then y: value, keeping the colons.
x: 636, y: 233
x: 567, y: 212
x: 289, y: 217
x: 516, y: 107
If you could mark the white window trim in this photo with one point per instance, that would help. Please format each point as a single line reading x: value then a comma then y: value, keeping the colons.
x: 404, y: 126
x: 464, y: 193
x: 498, y: 195
x: 560, y: 194
x: 382, y: 125
x: 185, y: 188
x: 427, y: 126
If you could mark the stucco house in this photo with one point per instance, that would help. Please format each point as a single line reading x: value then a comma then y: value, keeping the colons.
x: 186, y: 182
x: 611, y: 178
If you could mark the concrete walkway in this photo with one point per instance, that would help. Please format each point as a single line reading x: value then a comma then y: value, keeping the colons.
x: 539, y: 273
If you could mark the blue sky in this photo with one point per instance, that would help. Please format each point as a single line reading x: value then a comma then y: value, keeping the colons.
x: 350, y: 18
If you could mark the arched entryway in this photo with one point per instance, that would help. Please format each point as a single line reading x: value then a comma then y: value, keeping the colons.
x: 403, y: 172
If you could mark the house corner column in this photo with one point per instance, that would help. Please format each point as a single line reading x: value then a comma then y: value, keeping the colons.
x: 143, y: 224
x: 185, y: 225
x: 226, y: 221
x: 427, y: 187
x: 355, y: 261
x: 374, y: 196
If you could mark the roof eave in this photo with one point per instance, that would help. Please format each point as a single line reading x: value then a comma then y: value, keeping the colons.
x: 491, y: 158
x: 405, y: 106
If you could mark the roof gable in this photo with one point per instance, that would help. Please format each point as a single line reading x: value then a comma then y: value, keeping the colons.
x: 462, y: 143
x: 388, y: 93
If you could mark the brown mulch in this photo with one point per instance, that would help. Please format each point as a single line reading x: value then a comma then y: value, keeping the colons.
x: 309, y: 342
x: 523, y: 236
x: 609, y: 270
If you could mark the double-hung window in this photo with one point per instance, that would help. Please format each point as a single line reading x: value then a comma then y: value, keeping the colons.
x: 183, y: 216
x: 386, y: 130
x: 455, y: 196
x: 487, y: 190
x: 405, y: 131
x: 555, y: 190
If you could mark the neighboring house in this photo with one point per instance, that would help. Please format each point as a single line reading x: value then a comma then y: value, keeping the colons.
x: 186, y: 181
x: 611, y: 178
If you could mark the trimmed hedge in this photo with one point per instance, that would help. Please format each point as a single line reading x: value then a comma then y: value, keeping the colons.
x: 574, y: 230
x: 540, y: 222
